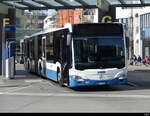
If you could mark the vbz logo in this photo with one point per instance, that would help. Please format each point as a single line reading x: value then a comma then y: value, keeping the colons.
x: 101, y: 74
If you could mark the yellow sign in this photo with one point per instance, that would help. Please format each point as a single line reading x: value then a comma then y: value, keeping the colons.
x: 107, y: 19
x: 6, y: 21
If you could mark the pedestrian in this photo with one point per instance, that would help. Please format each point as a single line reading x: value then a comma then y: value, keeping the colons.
x: 134, y: 60
x: 139, y: 60
x: 146, y: 60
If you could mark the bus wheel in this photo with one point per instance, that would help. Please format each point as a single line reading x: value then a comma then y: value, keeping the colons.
x: 40, y: 69
x: 28, y: 67
x: 59, y: 78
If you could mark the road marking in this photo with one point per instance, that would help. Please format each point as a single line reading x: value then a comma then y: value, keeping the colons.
x: 8, y: 89
x: 131, y: 69
x: 14, y: 89
x: 75, y: 95
x: 49, y: 82
x: 131, y: 84
x: 33, y: 80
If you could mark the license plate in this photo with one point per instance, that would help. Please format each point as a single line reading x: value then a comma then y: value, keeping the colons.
x: 101, y: 83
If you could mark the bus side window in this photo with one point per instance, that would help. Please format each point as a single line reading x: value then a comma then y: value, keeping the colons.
x: 56, y: 48
x: 39, y: 47
x: 127, y: 42
x: 30, y: 49
x: 50, y: 48
x: 43, y: 47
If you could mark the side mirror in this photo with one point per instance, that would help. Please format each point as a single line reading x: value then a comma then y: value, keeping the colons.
x: 69, y: 39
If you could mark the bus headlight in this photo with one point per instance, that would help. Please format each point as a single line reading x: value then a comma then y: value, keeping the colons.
x: 121, y: 76
x: 77, y: 78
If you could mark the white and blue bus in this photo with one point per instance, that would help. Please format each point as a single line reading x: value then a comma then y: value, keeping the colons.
x: 79, y: 54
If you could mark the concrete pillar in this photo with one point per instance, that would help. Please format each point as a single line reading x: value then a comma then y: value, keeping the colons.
x: 1, y: 31
x: 7, y: 11
x: 12, y: 16
x: 1, y: 20
x: 12, y: 35
x: 4, y: 35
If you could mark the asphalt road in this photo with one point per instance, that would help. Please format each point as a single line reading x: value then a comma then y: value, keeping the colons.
x: 29, y: 93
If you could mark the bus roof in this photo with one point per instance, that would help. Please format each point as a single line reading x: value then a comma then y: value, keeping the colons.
x: 44, y: 32
x: 69, y: 26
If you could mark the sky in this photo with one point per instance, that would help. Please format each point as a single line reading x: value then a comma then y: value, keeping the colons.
x: 51, y: 12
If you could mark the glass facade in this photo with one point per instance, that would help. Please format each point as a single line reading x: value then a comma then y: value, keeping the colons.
x: 145, y: 33
x: 145, y: 26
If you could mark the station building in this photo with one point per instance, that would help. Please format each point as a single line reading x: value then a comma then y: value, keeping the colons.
x: 73, y: 16
x: 50, y: 22
x: 137, y: 22
x: 11, y: 13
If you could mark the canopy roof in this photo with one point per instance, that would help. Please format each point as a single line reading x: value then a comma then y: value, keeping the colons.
x: 70, y: 4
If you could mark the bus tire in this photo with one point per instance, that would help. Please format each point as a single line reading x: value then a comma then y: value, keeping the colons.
x: 59, y: 78
x: 28, y: 67
x: 40, y: 69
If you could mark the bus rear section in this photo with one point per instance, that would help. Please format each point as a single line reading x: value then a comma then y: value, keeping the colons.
x: 98, y: 55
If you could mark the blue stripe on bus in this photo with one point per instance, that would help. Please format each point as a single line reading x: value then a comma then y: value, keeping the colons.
x: 51, y: 74
x: 88, y: 82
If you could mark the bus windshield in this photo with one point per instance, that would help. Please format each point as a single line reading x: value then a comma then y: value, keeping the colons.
x: 99, y: 52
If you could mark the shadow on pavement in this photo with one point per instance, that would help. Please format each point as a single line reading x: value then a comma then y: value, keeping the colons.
x: 139, y: 79
x: 22, y: 74
x: 94, y: 88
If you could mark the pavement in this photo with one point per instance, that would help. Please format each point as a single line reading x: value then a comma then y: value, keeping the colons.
x: 139, y: 68
x: 31, y: 93
x: 20, y: 79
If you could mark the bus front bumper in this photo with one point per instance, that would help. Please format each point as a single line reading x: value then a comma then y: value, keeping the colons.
x: 88, y: 82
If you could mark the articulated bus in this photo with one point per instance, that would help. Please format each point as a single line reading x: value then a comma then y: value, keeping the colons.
x: 79, y: 54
